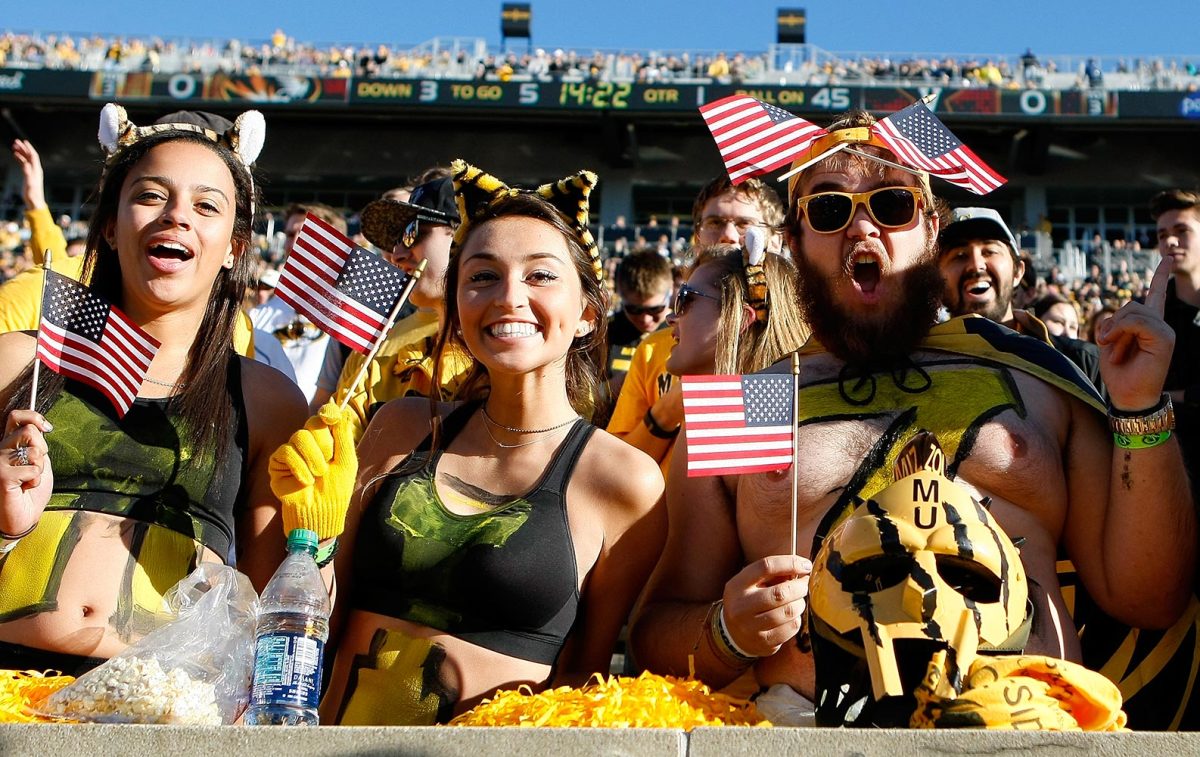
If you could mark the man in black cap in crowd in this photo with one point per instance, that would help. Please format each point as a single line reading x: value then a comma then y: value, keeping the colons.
x: 408, y: 233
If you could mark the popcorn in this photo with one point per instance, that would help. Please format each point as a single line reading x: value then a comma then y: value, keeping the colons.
x: 137, y: 690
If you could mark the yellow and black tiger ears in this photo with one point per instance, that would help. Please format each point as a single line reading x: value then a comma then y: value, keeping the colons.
x: 475, y: 190
x: 570, y: 196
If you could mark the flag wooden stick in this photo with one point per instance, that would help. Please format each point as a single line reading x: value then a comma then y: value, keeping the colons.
x: 836, y: 148
x: 885, y: 161
x: 37, y: 363
x: 795, y: 442
x: 362, y: 372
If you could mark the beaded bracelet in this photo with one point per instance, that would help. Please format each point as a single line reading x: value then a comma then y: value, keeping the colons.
x: 1141, y: 441
x: 721, y: 642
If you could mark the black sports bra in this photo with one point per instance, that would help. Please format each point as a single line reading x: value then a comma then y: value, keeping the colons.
x: 505, y: 579
x: 140, y: 466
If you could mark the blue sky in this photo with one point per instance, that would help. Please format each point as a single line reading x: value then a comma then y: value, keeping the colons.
x: 1101, y: 27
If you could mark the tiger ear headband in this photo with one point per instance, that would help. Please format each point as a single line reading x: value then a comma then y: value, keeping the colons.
x: 475, y: 191
x: 754, y: 251
x: 244, y: 138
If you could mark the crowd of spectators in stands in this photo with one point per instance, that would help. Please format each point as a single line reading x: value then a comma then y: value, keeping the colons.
x: 1092, y: 293
x: 457, y: 58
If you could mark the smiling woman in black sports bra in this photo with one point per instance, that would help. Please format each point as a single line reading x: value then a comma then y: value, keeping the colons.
x: 507, y: 546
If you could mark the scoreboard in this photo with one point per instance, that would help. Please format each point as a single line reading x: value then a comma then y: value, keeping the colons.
x: 243, y: 90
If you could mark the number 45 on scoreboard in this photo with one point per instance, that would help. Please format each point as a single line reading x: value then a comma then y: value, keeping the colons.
x: 832, y: 98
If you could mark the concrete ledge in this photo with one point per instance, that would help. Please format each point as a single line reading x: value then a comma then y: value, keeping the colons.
x: 178, y: 741
x: 144, y: 741
x: 718, y: 742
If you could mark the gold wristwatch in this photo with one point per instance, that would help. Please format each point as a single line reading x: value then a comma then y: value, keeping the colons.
x: 1156, y: 420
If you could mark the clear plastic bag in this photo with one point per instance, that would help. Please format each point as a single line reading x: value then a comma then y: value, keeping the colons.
x: 193, y: 670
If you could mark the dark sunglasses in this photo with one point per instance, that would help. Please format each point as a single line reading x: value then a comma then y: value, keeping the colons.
x: 686, y: 295
x: 412, y: 232
x: 889, y: 207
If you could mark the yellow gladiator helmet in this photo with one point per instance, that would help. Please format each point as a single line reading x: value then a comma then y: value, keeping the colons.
x: 920, y: 567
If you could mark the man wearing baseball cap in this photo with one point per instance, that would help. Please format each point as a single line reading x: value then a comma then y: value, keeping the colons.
x: 979, y: 258
x: 408, y: 233
x: 980, y: 261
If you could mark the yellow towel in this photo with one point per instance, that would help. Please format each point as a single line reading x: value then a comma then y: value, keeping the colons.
x: 1019, y: 692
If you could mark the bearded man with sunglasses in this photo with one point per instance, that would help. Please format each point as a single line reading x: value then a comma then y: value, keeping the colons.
x: 1018, y: 424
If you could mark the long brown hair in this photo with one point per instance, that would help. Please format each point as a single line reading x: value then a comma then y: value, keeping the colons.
x: 586, y: 356
x: 743, y: 349
x: 204, y: 404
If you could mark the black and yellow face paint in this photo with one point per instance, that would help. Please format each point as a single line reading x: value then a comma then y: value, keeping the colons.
x: 398, y: 682
x: 980, y: 393
x: 920, y: 562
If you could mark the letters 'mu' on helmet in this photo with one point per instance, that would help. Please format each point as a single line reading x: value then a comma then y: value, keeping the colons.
x: 921, y: 566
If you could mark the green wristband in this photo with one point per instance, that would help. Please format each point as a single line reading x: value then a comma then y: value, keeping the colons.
x: 1141, y: 441
x: 325, y: 554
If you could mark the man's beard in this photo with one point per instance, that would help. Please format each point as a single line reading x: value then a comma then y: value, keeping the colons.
x: 997, y: 309
x: 882, y: 339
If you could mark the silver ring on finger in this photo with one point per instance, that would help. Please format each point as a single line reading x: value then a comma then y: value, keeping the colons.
x: 21, y: 455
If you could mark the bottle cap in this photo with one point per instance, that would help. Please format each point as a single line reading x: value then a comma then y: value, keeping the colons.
x: 302, y: 538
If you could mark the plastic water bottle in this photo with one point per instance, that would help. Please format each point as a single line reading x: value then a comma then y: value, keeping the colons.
x: 293, y: 624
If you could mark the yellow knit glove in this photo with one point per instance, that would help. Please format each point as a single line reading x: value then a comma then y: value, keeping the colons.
x: 313, y: 473
x: 1020, y: 692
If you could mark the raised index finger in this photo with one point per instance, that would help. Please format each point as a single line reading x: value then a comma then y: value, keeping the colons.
x: 1156, y: 298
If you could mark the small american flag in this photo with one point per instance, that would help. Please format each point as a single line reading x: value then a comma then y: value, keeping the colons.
x: 737, y: 424
x: 754, y: 137
x: 921, y: 140
x: 83, y: 337
x: 344, y: 289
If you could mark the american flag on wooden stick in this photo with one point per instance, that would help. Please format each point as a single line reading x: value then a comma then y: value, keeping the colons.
x: 344, y: 289
x: 755, y: 137
x: 921, y: 140
x: 85, y: 338
x: 738, y: 424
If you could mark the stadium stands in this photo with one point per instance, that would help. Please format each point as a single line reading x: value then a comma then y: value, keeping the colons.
x: 471, y: 58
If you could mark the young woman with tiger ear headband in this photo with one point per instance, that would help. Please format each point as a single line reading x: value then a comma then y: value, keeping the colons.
x: 135, y: 502
x: 500, y: 539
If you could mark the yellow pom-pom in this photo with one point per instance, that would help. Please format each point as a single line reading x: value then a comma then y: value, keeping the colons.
x: 21, y: 691
x: 648, y: 701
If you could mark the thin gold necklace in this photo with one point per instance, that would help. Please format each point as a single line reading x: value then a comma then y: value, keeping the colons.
x: 172, y: 385
x: 501, y: 444
x: 487, y: 417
